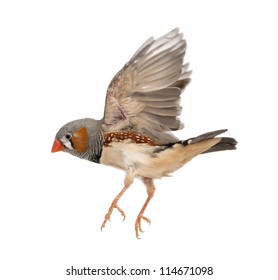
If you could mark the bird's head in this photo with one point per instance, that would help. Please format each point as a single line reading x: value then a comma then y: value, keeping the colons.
x: 81, y: 138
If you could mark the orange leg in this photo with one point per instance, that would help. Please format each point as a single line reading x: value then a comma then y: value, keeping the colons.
x: 150, y: 190
x: 114, y: 205
x: 128, y: 181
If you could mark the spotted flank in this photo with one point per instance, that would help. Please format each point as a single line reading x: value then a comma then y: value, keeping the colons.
x: 125, y: 136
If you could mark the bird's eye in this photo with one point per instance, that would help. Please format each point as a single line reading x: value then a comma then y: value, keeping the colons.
x: 68, y: 136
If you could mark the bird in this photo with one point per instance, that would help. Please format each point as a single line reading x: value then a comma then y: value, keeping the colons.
x: 136, y: 133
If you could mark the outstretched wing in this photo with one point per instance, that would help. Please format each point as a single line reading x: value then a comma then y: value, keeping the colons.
x: 144, y: 96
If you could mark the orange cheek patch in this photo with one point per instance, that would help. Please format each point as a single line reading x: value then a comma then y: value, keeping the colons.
x: 80, y: 140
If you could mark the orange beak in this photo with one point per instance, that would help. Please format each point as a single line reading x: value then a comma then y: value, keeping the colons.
x: 57, y: 146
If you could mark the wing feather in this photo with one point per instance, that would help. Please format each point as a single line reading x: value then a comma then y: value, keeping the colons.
x: 144, y: 96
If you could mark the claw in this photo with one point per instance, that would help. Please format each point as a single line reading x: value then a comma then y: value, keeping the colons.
x: 108, y: 215
x: 138, y: 226
x: 121, y: 211
x: 114, y: 205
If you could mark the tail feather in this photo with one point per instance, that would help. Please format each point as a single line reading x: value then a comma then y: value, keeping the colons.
x: 205, y: 136
x: 226, y: 143
x: 174, y: 155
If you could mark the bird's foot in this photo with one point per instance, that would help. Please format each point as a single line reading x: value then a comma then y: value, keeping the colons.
x: 107, y: 216
x: 138, y: 226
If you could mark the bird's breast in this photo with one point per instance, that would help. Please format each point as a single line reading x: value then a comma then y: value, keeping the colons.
x: 124, y: 155
x: 144, y: 159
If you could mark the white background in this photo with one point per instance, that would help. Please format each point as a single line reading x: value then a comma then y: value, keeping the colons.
x: 220, y: 210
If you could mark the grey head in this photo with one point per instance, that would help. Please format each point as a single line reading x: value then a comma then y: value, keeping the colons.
x: 82, y: 138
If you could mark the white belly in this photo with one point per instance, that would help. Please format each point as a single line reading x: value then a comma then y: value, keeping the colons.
x: 125, y: 155
x: 145, y: 162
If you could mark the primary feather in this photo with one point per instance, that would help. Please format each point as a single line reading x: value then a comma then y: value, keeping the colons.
x: 145, y: 95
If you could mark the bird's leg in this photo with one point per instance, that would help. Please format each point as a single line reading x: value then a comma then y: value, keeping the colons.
x: 128, y: 181
x: 150, y: 190
x: 114, y: 205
